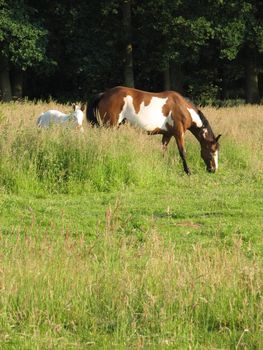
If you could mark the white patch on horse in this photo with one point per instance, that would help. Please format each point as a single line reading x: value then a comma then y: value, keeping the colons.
x: 123, y: 114
x: 169, y: 119
x: 195, y: 117
x: 149, y: 117
x: 205, y: 132
x: 215, y: 156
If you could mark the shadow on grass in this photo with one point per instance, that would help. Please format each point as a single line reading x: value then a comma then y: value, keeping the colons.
x: 175, y: 216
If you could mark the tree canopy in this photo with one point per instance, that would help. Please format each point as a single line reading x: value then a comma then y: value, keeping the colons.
x: 210, y: 50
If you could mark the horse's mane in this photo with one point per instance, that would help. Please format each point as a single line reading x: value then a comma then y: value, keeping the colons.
x: 206, y: 124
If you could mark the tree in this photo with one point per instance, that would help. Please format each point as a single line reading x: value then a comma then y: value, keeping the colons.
x: 85, y: 43
x: 128, y: 59
x: 239, y: 33
x: 22, y: 44
x: 172, y: 36
x: 71, y: 49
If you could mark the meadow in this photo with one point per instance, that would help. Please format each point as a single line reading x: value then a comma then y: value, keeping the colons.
x: 106, y: 244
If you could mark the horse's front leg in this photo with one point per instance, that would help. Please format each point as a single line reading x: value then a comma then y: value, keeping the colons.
x: 180, y: 144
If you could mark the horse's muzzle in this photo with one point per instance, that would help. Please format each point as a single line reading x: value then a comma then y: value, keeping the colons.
x: 211, y: 170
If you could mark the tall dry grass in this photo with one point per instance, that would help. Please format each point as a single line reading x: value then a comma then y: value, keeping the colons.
x: 240, y: 122
x: 243, y: 124
x: 62, y: 160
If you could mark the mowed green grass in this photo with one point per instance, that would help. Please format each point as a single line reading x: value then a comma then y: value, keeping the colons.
x: 106, y: 244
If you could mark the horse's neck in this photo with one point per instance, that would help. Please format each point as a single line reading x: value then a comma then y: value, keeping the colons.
x: 71, y: 117
x: 203, y: 133
x: 199, y: 133
x: 195, y: 131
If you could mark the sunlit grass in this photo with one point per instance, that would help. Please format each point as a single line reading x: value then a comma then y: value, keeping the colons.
x: 105, y: 243
x: 142, y: 291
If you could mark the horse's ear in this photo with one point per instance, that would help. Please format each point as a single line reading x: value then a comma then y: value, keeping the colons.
x: 74, y: 107
x: 218, y: 137
x: 82, y: 107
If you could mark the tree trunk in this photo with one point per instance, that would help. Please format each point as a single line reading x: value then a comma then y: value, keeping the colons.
x: 127, y: 28
x: 224, y: 93
x: 17, y: 83
x: 5, y: 85
x: 166, y: 78
x: 177, y: 77
x: 252, y: 89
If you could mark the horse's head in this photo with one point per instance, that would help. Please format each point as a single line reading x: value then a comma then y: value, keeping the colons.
x: 209, y: 153
x: 77, y: 113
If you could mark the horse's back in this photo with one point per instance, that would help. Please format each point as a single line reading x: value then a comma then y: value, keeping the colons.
x: 148, y: 110
x: 50, y: 116
x: 115, y: 96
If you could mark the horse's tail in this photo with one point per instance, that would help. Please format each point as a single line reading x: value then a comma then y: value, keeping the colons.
x: 39, y: 120
x: 92, y: 111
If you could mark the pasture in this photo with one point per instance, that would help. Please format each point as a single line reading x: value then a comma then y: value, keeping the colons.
x: 106, y: 244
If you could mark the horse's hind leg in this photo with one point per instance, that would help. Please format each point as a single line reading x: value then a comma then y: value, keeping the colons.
x: 165, y: 140
x: 180, y: 144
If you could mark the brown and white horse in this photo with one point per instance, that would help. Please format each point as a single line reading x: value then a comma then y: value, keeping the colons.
x: 167, y: 113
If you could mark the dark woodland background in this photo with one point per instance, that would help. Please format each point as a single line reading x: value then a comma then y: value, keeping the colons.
x: 210, y: 50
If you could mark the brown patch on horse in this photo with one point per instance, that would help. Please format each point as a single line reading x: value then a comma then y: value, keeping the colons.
x: 138, y: 98
x: 167, y: 107
x: 110, y: 107
x: 180, y: 115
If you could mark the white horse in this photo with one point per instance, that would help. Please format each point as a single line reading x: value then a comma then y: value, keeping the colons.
x: 53, y: 116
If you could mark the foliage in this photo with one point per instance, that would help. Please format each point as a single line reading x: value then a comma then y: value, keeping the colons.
x: 72, y: 50
x: 239, y: 27
x: 22, y: 40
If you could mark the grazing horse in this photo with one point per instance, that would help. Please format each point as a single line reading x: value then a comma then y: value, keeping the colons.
x: 167, y: 113
x: 53, y: 116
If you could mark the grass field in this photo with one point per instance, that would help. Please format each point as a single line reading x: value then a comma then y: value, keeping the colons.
x: 106, y: 244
